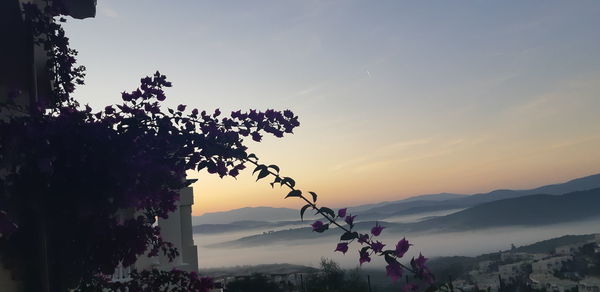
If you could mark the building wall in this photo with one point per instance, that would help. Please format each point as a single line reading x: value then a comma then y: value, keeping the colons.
x: 176, y: 229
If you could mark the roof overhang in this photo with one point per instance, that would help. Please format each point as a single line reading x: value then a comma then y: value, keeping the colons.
x: 80, y: 9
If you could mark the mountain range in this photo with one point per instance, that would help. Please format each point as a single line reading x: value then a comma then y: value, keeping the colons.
x: 412, y: 205
x: 532, y: 210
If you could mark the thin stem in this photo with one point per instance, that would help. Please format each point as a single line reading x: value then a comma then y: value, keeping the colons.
x: 314, y: 206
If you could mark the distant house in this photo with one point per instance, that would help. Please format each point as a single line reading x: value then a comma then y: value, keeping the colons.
x: 511, y: 271
x: 569, y: 249
x: 484, y: 266
x: 589, y: 285
x: 549, y: 265
x: 514, y: 256
x: 551, y: 283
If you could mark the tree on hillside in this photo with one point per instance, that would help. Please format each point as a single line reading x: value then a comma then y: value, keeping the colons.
x: 253, y: 283
x: 332, y: 278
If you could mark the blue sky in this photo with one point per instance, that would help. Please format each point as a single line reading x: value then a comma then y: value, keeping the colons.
x: 396, y: 98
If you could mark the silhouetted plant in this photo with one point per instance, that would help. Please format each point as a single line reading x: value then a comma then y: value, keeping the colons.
x: 69, y: 174
x: 332, y: 278
x: 345, y: 221
x: 253, y: 283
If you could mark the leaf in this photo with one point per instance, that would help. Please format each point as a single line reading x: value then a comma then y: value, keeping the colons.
x: 274, y: 167
x: 364, y: 249
x: 390, y: 260
x: 314, y: 196
x: 294, y: 193
x: 289, y: 181
x: 303, y: 210
x: 252, y: 155
x: 389, y: 251
x: 262, y: 173
x: 327, y: 211
x: 259, y: 167
x: 349, y: 235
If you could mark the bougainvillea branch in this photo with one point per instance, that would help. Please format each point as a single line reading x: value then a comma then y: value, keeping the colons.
x: 90, y: 185
x: 371, y: 246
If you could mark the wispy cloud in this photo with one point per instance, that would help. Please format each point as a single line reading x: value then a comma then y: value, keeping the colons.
x: 382, y: 153
x: 574, y: 142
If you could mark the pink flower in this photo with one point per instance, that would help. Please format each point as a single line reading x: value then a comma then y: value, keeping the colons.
x: 363, y: 238
x: 350, y: 219
x: 377, y: 229
x: 419, y: 262
x: 318, y: 226
x: 377, y: 246
x: 422, y: 271
x: 364, y: 257
x: 394, y: 271
x: 181, y: 107
x: 342, y: 246
x: 402, y: 247
x: 342, y: 212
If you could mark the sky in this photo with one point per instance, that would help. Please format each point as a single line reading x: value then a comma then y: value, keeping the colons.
x: 395, y: 98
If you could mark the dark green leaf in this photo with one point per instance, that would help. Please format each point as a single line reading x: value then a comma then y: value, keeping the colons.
x: 349, y: 235
x: 252, y: 155
x: 259, y: 167
x: 303, y: 210
x: 262, y: 173
x: 389, y: 251
x: 390, y: 260
x: 289, y: 181
x: 275, y: 167
x: 328, y: 211
x: 314, y: 196
x: 364, y: 249
x: 294, y: 193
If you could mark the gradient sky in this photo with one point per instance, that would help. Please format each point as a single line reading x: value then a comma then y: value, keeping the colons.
x: 395, y: 98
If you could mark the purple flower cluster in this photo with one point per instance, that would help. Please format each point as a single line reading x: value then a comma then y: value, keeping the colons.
x: 88, y: 166
x: 394, y: 268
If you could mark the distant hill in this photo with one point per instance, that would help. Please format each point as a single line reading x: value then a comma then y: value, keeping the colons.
x: 417, y: 205
x: 534, y: 210
x: 425, y: 198
x: 269, y: 214
x: 527, y: 210
x: 247, y: 214
x: 409, y: 206
x: 547, y: 246
x: 240, y: 226
x: 459, y: 266
x: 579, y: 184
x: 267, y: 269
